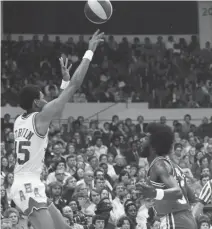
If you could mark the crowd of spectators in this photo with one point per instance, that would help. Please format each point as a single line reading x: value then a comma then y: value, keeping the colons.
x: 90, y: 171
x: 166, y: 74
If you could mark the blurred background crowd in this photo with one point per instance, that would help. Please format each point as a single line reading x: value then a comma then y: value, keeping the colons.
x: 91, y: 167
x: 91, y: 170
x: 166, y: 74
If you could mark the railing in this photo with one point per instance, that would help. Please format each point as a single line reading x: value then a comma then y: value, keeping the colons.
x: 104, y: 113
x: 101, y: 121
x: 94, y: 116
x: 101, y: 111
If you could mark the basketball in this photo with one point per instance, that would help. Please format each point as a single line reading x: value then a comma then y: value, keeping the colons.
x: 98, y: 12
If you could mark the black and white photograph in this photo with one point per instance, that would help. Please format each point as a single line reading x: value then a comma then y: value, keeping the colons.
x: 106, y: 114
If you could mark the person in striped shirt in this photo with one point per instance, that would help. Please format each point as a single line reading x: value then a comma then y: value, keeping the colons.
x: 205, y: 200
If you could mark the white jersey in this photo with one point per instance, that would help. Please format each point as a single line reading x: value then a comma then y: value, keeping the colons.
x: 29, y: 145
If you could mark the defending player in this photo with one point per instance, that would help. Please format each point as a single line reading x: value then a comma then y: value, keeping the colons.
x: 205, y: 198
x: 31, y: 138
x: 167, y: 182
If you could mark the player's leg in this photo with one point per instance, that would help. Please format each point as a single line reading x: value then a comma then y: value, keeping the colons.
x: 182, y: 220
x: 41, y: 219
x: 57, y: 217
x: 28, y: 193
x: 35, y: 198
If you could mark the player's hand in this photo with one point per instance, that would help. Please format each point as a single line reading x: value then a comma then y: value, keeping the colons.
x: 146, y: 190
x: 95, y: 40
x: 65, y: 69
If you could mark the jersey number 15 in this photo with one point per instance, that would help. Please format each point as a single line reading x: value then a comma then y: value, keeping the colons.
x: 22, y: 152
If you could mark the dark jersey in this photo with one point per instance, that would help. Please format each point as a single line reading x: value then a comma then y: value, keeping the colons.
x: 164, y: 207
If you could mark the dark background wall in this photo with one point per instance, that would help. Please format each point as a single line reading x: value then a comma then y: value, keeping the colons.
x: 129, y: 17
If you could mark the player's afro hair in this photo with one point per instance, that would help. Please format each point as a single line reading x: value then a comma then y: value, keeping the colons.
x: 27, y: 95
x: 161, y: 138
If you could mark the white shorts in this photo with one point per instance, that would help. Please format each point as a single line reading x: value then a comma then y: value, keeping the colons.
x: 27, y: 185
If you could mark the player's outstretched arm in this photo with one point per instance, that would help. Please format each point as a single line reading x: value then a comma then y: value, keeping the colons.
x: 204, y: 198
x: 51, y: 110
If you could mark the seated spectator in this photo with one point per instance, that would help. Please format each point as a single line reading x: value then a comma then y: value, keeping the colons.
x: 79, y: 175
x: 59, y: 174
x: 124, y: 222
x: 99, y: 148
x: 93, y: 163
x: 104, y: 167
x: 6, y: 122
x: 119, y: 165
x: 55, y: 195
x: 57, y: 149
x: 71, y: 164
x: 94, y: 198
x: 131, y: 212
x: 99, y: 184
x: 51, y: 92
x: 203, y: 222
x: 78, y: 216
x: 98, y: 222
x: 124, y: 177
x: 117, y: 203
x: 105, y: 193
x: 69, y: 188
x: 133, y: 171
x: 132, y: 154
x: 141, y: 126
x: 99, y: 173
x: 104, y: 208
x: 87, y: 180
x: 8, y: 181
x: 4, y: 166
x: 11, y: 162
x: 4, y: 200
x: 103, y: 159
x: 68, y: 213
x: 116, y: 148
x: 13, y: 214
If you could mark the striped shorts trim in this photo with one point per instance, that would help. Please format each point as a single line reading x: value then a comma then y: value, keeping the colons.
x: 167, y: 222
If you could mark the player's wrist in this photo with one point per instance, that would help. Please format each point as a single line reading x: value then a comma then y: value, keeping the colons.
x: 88, y: 55
x: 159, y: 194
x: 64, y: 84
